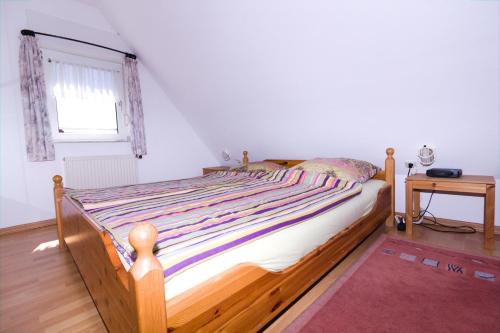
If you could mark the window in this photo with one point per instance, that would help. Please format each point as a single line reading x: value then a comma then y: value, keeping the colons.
x: 84, y: 97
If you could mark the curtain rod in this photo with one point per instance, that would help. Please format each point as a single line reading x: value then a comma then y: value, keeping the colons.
x: 26, y: 32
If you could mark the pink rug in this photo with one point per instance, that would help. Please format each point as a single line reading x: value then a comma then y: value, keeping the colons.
x: 402, y: 286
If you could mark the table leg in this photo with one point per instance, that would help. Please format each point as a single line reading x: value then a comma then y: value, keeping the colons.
x: 489, y: 217
x: 409, y: 208
x: 416, y: 203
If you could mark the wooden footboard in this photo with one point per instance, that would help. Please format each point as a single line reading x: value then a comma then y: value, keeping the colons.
x: 132, y: 301
x: 242, y: 299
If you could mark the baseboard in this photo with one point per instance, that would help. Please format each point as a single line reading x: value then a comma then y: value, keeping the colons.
x: 27, y: 226
x: 479, y: 227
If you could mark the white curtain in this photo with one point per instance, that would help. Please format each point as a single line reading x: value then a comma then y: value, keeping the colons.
x: 86, y: 96
x: 79, y: 81
x: 135, y: 107
x: 39, y: 144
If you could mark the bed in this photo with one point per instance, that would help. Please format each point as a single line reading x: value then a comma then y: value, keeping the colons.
x: 218, y: 293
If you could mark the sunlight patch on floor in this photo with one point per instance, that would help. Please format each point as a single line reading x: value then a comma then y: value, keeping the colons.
x: 46, y: 245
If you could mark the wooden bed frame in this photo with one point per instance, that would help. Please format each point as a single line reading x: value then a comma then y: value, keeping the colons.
x: 243, y: 299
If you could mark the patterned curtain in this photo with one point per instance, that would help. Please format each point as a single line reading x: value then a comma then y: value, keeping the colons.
x: 135, y: 107
x: 39, y: 144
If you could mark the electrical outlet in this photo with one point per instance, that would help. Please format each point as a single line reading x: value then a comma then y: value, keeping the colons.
x: 410, y: 164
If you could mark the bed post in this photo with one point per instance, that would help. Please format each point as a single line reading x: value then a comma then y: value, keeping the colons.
x: 245, y: 158
x: 58, y: 193
x: 146, y: 282
x: 390, y: 178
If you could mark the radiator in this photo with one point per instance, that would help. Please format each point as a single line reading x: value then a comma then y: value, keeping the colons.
x: 87, y: 172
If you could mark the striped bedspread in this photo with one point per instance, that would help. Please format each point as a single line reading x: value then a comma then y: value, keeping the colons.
x: 202, y: 217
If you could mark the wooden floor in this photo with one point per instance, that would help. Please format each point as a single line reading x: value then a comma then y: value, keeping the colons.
x: 42, y: 291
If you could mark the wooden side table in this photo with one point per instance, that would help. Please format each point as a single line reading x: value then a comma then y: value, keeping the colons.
x: 483, y: 186
x: 208, y: 170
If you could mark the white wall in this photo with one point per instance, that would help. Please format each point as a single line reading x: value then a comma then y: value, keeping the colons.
x: 174, y: 149
x: 300, y: 79
x: 286, y: 78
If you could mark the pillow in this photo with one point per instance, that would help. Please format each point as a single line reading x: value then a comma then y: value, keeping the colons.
x: 344, y: 168
x: 259, y: 166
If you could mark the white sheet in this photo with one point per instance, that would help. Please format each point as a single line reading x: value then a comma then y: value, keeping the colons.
x: 277, y: 251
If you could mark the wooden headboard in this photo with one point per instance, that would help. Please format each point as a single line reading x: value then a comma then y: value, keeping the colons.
x: 388, y: 174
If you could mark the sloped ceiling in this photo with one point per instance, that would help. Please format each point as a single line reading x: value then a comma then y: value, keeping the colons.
x: 295, y: 78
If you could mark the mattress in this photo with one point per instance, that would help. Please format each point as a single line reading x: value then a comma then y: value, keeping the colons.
x: 280, y: 250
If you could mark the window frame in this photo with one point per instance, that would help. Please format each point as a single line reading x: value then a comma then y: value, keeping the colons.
x: 123, y: 134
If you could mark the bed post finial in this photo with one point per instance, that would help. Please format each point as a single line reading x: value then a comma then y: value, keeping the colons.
x: 58, y: 193
x: 146, y: 282
x: 390, y: 178
x: 245, y: 158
